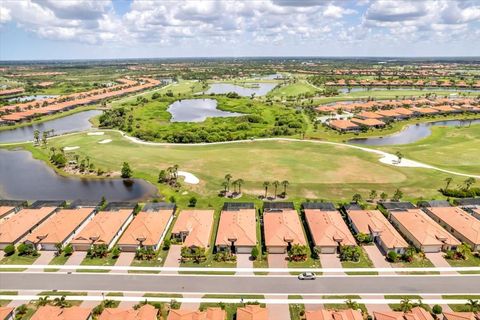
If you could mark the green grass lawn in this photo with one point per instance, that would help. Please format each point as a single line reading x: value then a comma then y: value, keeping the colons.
x: 364, y: 262
x: 108, y: 261
x: 418, y: 262
x: 471, y: 261
x: 16, y: 259
x: 296, y: 309
x: 314, y: 170
x: 293, y: 89
x: 342, y: 306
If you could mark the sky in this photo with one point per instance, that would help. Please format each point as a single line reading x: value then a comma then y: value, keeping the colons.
x: 106, y: 29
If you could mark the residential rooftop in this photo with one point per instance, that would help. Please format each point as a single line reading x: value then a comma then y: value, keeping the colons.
x: 145, y: 312
x: 17, y: 225
x: 239, y: 226
x: 57, y: 313
x: 252, y: 312
x: 146, y: 225
x: 197, y: 224
x: 323, y: 314
x: 373, y: 221
x: 62, y: 224
x: 423, y: 228
x: 282, y: 227
x: 328, y: 228
x: 212, y: 313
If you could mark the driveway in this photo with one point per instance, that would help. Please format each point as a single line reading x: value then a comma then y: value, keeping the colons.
x: 75, y: 259
x: 124, y: 259
x: 173, y: 258
x: 377, y: 257
x: 329, y: 260
x: 45, y: 258
x: 439, y: 261
x: 277, y: 260
x: 376, y: 307
x: 278, y: 311
x: 243, y: 261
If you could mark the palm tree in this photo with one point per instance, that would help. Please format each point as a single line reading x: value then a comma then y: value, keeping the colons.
x: 53, y: 149
x: 473, y: 305
x: 351, y: 304
x: 469, y: 182
x: 265, y: 185
x: 234, y: 184
x: 399, y: 156
x: 225, y: 186
x: 228, y: 178
x: 448, y: 181
x: 239, y: 183
x: 175, y: 171
x: 285, y: 184
x: 61, y: 302
x: 109, y: 303
x: 43, y: 301
x: 406, y: 305
x: 276, y: 183
x: 373, y: 195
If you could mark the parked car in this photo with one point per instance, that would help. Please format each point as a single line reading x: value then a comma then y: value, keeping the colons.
x: 307, y: 276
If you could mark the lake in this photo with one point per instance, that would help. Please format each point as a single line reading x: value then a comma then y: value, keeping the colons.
x: 260, y: 89
x: 74, y: 122
x: 23, y: 177
x: 197, y: 110
x: 411, y: 133
x: 32, y: 98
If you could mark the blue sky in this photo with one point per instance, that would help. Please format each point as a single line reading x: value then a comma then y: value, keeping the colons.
x: 102, y: 29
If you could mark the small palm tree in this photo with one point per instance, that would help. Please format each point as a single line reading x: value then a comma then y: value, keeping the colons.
x: 61, y: 302
x: 406, y: 305
x: 469, y: 182
x: 239, y: 183
x: 228, y: 178
x: 351, y: 304
x: 472, y: 305
x: 266, y: 184
x: 43, y: 301
x: 109, y: 303
x: 447, y: 182
x: 285, y: 184
x: 276, y: 183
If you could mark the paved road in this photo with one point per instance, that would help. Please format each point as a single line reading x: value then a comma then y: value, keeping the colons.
x: 229, y: 284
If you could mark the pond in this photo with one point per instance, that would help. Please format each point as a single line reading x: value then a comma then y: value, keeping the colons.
x: 25, y: 178
x: 259, y: 89
x: 411, y: 133
x: 197, y: 110
x: 75, y: 122
x: 32, y: 98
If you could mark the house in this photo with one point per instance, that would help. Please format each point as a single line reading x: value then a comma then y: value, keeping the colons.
x: 237, y: 229
x: 19, y: 225
x: 476, y: 213
x: 7, y: 313
x: 369, y: 115
x: 417, y: 313
x: 145, y: 312
x: 459, y: 316
x: 343, y: 125
x: 194, y: 228
x: 323, y: 314
x: 209, y: 314
x: 252, y: 312
x: 461, y: 224
x: 282, y: 227
x: 57, y: 313
x: 375, y: 224
x: 397, y: 205
x: 105, y: 228
x: 369, y: 123
x: 60, y: 228
x: 148, y: 228
x: 5, y: 211
x: 327, y: 229
x: 424, y: 233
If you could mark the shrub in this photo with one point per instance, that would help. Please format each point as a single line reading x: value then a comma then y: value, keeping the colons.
x: 436, y: 309
x: 9, y: 250
x: 68, y: 250
x: 174, y: 304
x: 192, y: 202
x: 115, y: 252
x: 26, y: 249
x: 166, y: 244
x: 392, y: 256
x: 254, y: 253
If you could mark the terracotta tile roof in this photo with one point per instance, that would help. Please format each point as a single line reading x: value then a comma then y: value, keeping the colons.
x: 11, y: 91
x: 424, y: 110
x: 148, y: 225
x: 104, y: 225
x: 21, y: 222
x: 342, y: 124
x: 5, y: 311
x: 145, y: 312
x: 368, y: 122
x: 5, y: 210
x: 240, y: 225
x: 198, y: 224
x: 444, y: 108
x: 328, y: 228
x: 252, y: 312
x: 368, y: 221
x: 388, y: 113
x: 459, y: 315
x: 323, y: 314
x: 369, y: 115
x: 419, y: 313
x: 403, y: 111
x: 62, y: 224
x: 423, y: 228
x: 461, y: 221
x: 387, y: 315
x: 209, y: 314
x: 281, y: 227
x: 57, y: 313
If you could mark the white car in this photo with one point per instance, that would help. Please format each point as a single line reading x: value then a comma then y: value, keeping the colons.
x: 307, y: 276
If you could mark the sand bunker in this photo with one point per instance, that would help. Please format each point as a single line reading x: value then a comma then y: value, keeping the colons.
x: 70, y: 148
x: 95, y: 133
x: 189, y: 178
x: 105, y: 141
